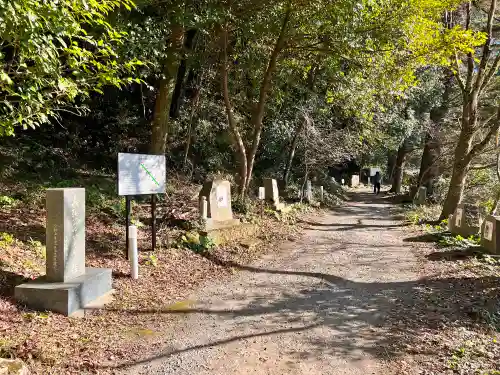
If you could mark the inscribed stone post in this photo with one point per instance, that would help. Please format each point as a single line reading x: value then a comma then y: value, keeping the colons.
x: 355, y: 180
x: 421, y: 195
x: 262, y: 193
x: 203, y: 208
x: 219, y: 212
x: 68, y: 286
x: 466, y: 220
x: 309, y: 194
x: 271, y: 190
x: 65, y: 234
x: 490, y: 234
x: 450, y: 223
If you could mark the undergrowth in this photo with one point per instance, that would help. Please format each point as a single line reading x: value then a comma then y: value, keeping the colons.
x: 417, y: 215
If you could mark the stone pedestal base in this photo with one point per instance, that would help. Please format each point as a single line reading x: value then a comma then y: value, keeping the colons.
x: 218, y: 224
x: 279, y: 206
x: 65, y: 298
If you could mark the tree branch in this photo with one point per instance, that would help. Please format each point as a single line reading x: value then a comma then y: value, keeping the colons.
x: 487, y: 47
x: 470, y: 57
x: 491, y: 72
x: 478, y: 167
x: 479, y: 147
x: 457, y: 74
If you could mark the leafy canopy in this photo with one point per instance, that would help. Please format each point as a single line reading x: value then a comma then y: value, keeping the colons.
x: 54, y: 52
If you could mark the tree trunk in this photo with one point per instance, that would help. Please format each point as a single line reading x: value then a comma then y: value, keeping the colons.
x: 239, y: 145
x: 429, y: 166
x: 456, y: 189
x: 293, y: 147
x: 194, y: 108
x: 472, y: 86
x: 258, y: 114
x: 397, y: 179
x: 465, y: 152
x: 161, y: 115
x: 175, y: 106
x: 391, y: 165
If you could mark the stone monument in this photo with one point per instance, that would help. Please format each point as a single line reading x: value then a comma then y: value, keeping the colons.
x: 450, y: 223
x: 68, y: 285
x: 309, y: 194
x: 219, y: 212
x: 412, y: 193
x: 272, y: 193
x: 421, y: 196
x: 490, y: 234
x: 355, y: 180
x: 465, y: 220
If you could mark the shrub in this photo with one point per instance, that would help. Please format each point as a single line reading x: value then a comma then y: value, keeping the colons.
x: 6, y: 201
x: 6, y: 239
x: 198, y: 243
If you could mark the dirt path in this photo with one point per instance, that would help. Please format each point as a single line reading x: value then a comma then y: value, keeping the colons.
x: 320, y: 306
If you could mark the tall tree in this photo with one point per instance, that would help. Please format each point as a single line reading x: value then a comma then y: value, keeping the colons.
x: 166, y: 86
x: 54, y: 53
x: 394, y: 38
x: 479, y: 120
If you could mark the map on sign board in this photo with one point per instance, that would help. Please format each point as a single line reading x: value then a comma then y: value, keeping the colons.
x: 140, y: 174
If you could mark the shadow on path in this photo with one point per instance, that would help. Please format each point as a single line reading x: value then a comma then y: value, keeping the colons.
x: 400, y: 311
x: 355, y: 318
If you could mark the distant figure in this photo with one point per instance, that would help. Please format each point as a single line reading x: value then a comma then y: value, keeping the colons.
x: 376, y: 182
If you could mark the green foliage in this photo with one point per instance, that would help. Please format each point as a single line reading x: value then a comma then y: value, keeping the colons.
x: 54, y: 53
x: 7, y: 348
x: 151, y: 260
x: 137, y: 223
x: 457, y: 355
x: 292, y: 191
x: 242, y: 205
x: 469, y: 351
x: 447, y: 240
x: 6, y: 239
x: 7, y: 201
x: 198, y: 243
x: 417, y: 215
x: 39, y: 249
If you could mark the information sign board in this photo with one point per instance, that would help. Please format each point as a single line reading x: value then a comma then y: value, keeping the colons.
x: 140, y: 174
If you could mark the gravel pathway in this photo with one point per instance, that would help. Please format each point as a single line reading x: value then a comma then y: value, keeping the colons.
x: 320, y: 305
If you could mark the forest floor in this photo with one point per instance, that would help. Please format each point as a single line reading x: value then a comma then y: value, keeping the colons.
x: 134, y: 322
x: 360, y: 293
x: 352, y: 291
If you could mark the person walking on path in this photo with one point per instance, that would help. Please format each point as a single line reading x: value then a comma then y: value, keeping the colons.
x: 376, y: 182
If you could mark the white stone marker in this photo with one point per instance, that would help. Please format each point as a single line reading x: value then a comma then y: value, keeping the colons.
x: 65, y: 234
x: 203, y: 208
x: 309, y: 195
x: 132, y: 252
x: 68, y: 286
x: 262, y: 193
